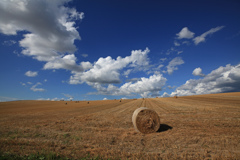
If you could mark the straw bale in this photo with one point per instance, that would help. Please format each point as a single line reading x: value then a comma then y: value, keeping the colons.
x: 145, y: 120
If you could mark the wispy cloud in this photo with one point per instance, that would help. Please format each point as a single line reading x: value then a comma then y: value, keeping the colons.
x: 172, y: 66
x: 163, y: 59
x: 4, y: 99
x: 68, y: 96
x: 176, y: 43
x: 203, y: 36
x: 179, y: 52
x: 23, y: 84
x: 35, y: 89
x: 127, y: 72
x: 185, y: 33
x: 84, y: 55
x: 9, y: 42
x: 235, y: 35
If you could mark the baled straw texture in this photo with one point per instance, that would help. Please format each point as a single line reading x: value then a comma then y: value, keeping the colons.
x: 145, y: 120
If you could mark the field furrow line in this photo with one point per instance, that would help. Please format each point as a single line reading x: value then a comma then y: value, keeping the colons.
x: 119, y: 106
x: 130, y: 106
x: 175, y: 104
x: 143, y: 101
x: 158, y: 106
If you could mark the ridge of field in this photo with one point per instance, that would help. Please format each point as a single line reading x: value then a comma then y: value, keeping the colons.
x: 192, y: 127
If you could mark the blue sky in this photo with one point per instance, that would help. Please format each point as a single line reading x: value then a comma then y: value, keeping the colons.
x: 91, y: 50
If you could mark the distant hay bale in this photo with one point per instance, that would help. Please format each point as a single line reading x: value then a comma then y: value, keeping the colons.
x: 145, y: 120
x: 175, y: 96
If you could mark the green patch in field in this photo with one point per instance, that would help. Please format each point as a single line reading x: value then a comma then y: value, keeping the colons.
x: 39, y: 156
x: 77, y: 138
x: 66, y: 135
x: 37, y: 126
x: 39, y: 135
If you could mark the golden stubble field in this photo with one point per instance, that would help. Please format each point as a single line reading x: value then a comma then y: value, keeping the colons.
x: 192, y: 127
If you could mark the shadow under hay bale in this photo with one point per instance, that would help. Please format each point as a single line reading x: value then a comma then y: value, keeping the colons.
x: 164, y: 127
x: 145, y: 120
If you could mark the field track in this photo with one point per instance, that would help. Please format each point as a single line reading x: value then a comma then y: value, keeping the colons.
x: 192, y: 127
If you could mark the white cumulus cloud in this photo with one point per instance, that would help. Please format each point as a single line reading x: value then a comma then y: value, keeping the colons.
x: 151, y: 84
x: 31, y: 74
x: 165, y: 94
x: 146, y: 87
x: 198, y: 72
x: 107, y: 70
x: 223, y: 79
x: 184, y: 33
x: 49, y: 24
x: 67, y: 62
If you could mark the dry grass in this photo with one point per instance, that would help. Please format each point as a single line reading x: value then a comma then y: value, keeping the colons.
x: 203, y: 127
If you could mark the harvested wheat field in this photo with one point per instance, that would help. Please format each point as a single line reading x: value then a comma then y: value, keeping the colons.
x: 192, y: 127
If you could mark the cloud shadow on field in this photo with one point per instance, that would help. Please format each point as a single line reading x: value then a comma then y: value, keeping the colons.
x: 164, y: 127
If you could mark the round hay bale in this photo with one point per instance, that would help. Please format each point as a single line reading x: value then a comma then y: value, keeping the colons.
x: 145, y: 120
